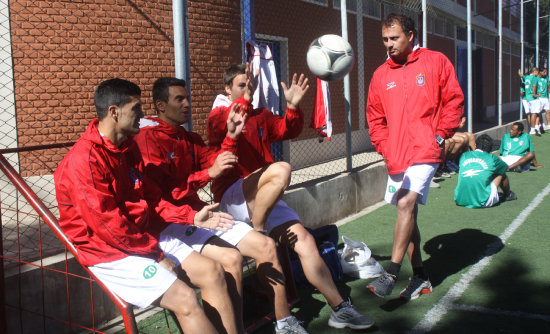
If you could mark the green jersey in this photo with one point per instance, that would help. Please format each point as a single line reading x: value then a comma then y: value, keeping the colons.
x: 530, y: 81
x: 542, y: 87
x: 519, y: 145
x: 477, y: 170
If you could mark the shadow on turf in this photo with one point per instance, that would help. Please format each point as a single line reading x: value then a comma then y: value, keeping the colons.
x: 452, y: 252
x: 508, y: 290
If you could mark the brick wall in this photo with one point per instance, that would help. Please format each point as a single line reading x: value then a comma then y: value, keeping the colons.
x: 63, y: 49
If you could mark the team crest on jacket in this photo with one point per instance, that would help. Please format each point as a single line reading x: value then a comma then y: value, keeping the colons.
x: 135, y: 176
x: 260, y: 132
x: 420, y: 79
x: 390, y: 85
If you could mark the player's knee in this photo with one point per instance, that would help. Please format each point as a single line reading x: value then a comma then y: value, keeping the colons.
x: 279, y: 173
x: 187, y: 304
x: 214, y: 273
x: 231, y: 260
x: 305, y: 243
x: 406, y: 204
x: 266, y: 250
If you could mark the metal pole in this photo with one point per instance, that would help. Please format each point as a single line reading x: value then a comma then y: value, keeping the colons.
x: 537, y: 37
x: 469, y: 41
x: 181, y: 48
x: 424, y: 25
x: 522, y: 56
x: 360, y: 61
x: 499, y: 62
x: 344, y: 19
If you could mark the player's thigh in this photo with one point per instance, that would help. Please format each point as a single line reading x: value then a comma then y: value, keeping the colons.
x: 200, y: 269
x: 223, y: 252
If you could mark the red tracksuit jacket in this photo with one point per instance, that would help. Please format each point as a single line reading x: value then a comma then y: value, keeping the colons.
x: 254, y: 144
x: 178, y: 161
x: 99, y: 190
x: 409, y: 104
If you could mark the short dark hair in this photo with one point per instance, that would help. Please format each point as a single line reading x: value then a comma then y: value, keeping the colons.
x: 406, y: 23
x: 160, y: 88
x: 114, y: 92
x: 231, y: 72
x: 520, y: 125
x: 484, y: 143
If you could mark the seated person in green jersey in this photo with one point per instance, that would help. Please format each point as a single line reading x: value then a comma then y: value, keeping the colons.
x: 480, y: 175
x: 516, y: 149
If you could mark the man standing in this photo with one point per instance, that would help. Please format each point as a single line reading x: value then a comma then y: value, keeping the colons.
x: 531, y: 82
x: 480, y: 175
x: 544, y: 104
x: 251, y: 191
x: 414, y: 104
x: 516, y: 149
x: 100, y: 190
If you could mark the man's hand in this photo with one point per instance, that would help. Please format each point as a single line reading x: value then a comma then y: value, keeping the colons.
x: 236, y: 120
x: 224, y: 161
x: 296, y: 92
x: 207, y: 218
x: 520, y: 73
x: 251, y: 81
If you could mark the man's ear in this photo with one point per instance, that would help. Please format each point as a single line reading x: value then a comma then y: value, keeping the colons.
x: 227, y: 90
x: 113, y: 112
x: 160, y: 106
x: 411, y: 36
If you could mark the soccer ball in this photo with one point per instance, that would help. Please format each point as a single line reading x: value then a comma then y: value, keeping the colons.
x: 330, y: 57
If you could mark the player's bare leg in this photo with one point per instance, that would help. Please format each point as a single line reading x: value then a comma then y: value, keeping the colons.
x: 263, y: 188
x: 208, y: 275
x: 294, y: 235
x: 270, y: 273
x: 182, y: 300
x: 232, y: 262
x: 405, y: 224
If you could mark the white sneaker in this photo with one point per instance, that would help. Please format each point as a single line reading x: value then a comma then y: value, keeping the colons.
x: 434, y: 184
x: 532, y: 132
x: 546, y: 127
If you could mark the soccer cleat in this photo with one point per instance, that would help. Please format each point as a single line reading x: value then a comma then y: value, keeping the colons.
x: 383, y: 285
x: 417, y: 287
x: 347, y: 316
x: 511, y: 196
x: 293, y: 326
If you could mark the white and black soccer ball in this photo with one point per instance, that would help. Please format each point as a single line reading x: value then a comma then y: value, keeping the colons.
x: 330, y: 57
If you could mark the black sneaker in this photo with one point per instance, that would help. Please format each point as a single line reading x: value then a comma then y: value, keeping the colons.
x: 511, y: 196
x: 383, y: 285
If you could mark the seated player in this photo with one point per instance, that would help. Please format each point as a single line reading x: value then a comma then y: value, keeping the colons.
x: 252, y: 191
x: 181, y: 164
x: 480, y: 175
x: 460, y: 142
x: 100, y: 191
x: 516, y: 149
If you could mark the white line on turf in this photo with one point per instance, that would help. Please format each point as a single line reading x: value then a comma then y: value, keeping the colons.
x: 446, y: 302
x: 519, y: 314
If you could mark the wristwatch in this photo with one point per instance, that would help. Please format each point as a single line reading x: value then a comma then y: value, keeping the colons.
x: 440, y: 141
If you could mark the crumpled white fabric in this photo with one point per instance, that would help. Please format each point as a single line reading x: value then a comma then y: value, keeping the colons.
x: 266, y: 95
x: 356, y: 260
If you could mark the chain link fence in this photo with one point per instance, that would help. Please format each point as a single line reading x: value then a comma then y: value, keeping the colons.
x: 54, y: 53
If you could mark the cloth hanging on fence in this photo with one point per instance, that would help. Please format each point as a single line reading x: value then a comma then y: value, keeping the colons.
x: 321, y: 119
x: 266, y: 95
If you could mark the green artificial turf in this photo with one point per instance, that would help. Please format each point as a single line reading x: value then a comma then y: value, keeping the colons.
x: 513, y: 289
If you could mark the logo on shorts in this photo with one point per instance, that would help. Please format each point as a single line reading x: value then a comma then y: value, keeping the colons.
x: 190, y: 230
x: 392, y: 189
x: 149, y: 272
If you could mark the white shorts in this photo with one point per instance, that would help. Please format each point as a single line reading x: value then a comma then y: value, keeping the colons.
x: 493, y: 197
x: 534, y: 107
x: 511, y: 159
x: 233, y: 202
x: 416, y: 178
x: 543, y: 104
x: 525, y: 105
x: 140, y: 280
